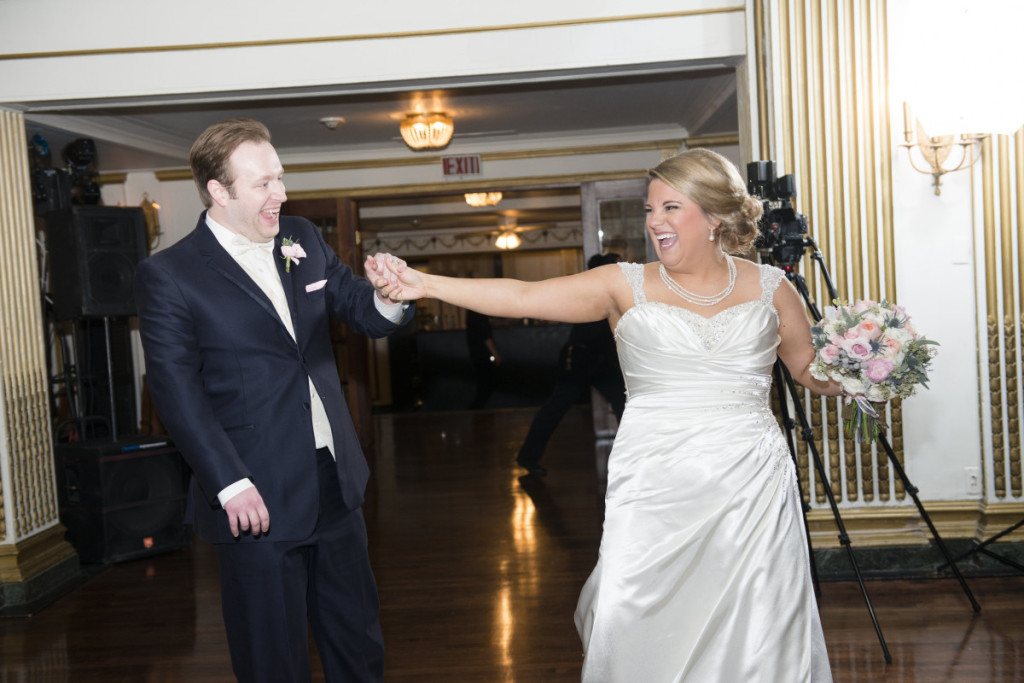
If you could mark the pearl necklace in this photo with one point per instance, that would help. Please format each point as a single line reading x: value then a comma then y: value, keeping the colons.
x: 700, y: 299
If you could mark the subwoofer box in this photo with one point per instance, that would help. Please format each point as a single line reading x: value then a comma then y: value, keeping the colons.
x: 122, y: 500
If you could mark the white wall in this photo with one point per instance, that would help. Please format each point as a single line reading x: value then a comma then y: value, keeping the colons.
x: 389, y: 41
x: 935, y: 282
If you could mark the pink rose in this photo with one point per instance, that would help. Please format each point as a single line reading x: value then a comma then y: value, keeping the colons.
x: 858, y: 348
x: 835, y: 339
x: 890, y: 347
x: 878, y: 369
x: 293, y: 251
x: 861, y: 306
x: 869, y: 329
x: 829, y: 354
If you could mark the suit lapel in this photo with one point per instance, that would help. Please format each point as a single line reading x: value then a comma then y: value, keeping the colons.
x: 221, y: 261
x: 288, y: 282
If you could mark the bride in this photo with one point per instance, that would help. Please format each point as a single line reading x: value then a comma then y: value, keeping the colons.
x: 703, y: 573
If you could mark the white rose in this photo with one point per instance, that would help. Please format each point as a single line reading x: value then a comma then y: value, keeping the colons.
x: 852, y: 386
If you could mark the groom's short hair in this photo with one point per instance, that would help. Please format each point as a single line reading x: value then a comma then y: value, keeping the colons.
x: 214, y: 147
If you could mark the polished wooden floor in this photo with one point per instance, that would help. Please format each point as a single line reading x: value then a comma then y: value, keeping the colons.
x: 479, y: 570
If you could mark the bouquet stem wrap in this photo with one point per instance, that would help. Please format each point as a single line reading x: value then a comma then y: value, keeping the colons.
x: 861, y: 420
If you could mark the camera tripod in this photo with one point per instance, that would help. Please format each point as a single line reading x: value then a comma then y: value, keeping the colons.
x: 982, y: 548
x: 783, y: 381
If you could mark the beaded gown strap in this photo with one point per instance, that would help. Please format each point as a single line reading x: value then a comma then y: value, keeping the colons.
x: 771, y: 277
x: 634, y: 273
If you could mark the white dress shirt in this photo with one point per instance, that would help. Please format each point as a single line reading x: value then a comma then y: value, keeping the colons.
x: 257, y: 260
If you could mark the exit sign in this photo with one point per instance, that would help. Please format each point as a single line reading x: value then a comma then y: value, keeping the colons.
x: 463, y: 165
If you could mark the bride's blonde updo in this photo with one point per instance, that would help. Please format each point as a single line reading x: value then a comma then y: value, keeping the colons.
x: 710, y: 180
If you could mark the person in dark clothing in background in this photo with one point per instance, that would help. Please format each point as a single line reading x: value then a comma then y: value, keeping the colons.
x: 590, y: 361
x: 483, y: 354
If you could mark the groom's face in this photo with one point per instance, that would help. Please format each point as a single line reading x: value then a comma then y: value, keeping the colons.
x: 251, y: 206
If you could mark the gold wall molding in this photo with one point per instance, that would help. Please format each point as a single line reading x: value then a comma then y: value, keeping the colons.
x: 902, y: 526
x: 435, y: 159
x: 1001, y: 259
x: 25, y: 391
x: 823, y: 89
x: 388, y: 35
x: 21, y: 561
x: 463, y: 186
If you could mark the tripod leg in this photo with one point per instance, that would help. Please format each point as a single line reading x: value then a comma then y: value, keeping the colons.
x: 912, y: 490
x: 978, y: 547
x: 789, y: 424
x: 844, y: 538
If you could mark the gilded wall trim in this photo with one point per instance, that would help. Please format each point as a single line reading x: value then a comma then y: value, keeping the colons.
x: 25, y: 389
x: 435, y: 159
x: 1002, y: 300
x: 388, y: 35
x: 465, y: 186
x: 827, y: 89
x: 903, y: 526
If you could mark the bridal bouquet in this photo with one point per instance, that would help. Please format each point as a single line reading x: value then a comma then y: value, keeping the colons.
x: 874, y: 353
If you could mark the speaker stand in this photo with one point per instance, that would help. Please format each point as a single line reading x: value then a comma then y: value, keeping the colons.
x: 110, y: 379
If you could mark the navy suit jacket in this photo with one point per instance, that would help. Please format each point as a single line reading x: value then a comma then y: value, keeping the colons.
x: 231, y: 385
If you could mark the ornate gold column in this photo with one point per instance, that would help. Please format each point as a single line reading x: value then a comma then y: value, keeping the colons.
x: 35, y: 560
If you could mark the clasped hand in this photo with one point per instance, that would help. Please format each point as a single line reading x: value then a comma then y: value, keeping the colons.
x: 393, y: 279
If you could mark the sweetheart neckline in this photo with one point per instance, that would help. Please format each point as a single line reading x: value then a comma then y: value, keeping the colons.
x: 702, y: 322
x: 705, y: 318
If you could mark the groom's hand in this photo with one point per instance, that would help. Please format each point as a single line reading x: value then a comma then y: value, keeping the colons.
x: 383, y: 281
x: 247, y: 513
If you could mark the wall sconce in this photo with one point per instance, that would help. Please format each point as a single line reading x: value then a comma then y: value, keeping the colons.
x: 152, y: 218
x: 432, y: 130
x: 478, y: 199
x: 936, y: 150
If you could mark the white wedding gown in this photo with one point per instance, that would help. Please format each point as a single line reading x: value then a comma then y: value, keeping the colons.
x: 703, y: 573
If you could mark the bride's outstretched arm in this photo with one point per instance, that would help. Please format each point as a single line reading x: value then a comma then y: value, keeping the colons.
x: 584, y: 297
x: 795, y: 347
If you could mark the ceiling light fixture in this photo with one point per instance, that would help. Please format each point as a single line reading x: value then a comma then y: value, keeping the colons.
x: 507, y: 240
x: 431, y: 130
x: 479, y: 199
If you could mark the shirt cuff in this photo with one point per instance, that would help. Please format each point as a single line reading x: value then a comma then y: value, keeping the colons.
x: 391, y: 311
x: 233, y: 490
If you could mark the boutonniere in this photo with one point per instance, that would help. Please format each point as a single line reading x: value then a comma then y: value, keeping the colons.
x: 291, y: 250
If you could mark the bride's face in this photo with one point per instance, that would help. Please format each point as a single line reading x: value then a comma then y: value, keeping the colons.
x: 677, y: 224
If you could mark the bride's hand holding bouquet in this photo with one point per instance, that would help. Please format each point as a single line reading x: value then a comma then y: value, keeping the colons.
x: 871, y: 350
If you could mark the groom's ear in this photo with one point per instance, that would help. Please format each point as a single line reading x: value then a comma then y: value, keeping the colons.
x: 218, y: 192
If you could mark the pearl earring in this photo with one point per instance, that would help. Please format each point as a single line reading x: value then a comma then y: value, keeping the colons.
x: 711, y: 235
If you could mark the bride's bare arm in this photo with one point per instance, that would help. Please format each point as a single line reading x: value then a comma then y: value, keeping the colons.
x: 795, y: 348
x: 583, y: 297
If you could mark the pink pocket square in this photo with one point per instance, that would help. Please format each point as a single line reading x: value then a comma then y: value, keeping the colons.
x: 313, y: 286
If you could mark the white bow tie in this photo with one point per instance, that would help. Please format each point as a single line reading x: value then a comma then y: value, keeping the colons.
x: 241, y: 245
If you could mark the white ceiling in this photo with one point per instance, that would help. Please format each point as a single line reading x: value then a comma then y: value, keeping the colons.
x: 667, y: 100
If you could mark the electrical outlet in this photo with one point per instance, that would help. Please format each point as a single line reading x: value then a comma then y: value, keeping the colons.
x: 972, y: 477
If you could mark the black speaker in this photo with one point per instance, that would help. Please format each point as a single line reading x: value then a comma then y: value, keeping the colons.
x: 122, y: 500
x: 93, y: 253
x: 51, y: 189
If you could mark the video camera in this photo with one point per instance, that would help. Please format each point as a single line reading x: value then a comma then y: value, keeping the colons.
x: 781, y: 228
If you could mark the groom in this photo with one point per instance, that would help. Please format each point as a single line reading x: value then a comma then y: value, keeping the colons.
x: 234, y: 321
